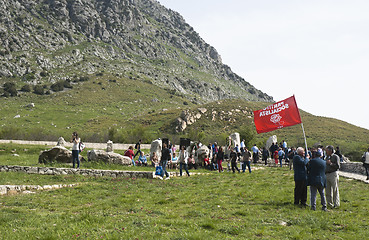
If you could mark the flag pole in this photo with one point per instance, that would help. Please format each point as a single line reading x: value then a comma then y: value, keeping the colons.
x: 303, y: 130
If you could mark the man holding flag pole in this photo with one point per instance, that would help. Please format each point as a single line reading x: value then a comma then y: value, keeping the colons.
x: 282, y: 114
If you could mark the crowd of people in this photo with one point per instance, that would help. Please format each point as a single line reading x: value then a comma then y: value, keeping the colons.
x: 317, y: 167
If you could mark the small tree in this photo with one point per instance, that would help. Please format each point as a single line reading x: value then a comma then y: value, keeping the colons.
x: 247, y: 133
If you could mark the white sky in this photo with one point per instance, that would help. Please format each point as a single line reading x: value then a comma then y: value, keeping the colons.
x: 315, y: 49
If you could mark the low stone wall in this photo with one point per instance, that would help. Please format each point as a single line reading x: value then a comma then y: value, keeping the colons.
x: 27, y: 189
x: 84, y: 172
x: 353, y: 167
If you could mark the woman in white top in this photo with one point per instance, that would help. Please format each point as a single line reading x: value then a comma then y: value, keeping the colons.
x: 183, y: 160
x: 366, y: 163
x: 75, y: 149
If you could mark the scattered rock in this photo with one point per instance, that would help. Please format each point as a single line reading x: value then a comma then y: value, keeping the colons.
x: 156, y: 147
x: 31, y: 105
x: 108, y: 157
x: 109, y: 146
x: 61, y: 142
x: 57, y: 154
x: 272, y: 139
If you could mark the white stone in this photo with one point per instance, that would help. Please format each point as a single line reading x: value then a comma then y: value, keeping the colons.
x: 17, y: 116
x: 109, y: 146
x: 61, y: 142
x: 156, y: 147
x: 272, y: 139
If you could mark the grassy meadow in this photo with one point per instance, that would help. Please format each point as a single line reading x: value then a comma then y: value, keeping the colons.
x: 208, y: 206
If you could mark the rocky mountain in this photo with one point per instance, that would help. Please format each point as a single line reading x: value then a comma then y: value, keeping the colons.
x: 46, y: 41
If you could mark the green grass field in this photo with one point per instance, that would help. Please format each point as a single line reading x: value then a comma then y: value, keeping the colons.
x: 209, y: 206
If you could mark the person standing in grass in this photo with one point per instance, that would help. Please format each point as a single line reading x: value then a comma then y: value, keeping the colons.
x: 255, y: 153
x: 75, y: 149
x: 300, y: 161
x: 331, y: 172
x: 291, y: 154
x: 183, y: 160
x: 233, y: 157
x: 246, y: 158
x: 165, y: 157
x: 265, y: 155
x: 138, y: 147
x: 220, y: 158
x: 281, y: 155
x: 129, y: 153
x: 275, y: 156
x: 366, y: 163
x: 316, y: 179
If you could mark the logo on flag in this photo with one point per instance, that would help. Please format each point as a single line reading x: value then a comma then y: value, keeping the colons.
x: 278, y: 115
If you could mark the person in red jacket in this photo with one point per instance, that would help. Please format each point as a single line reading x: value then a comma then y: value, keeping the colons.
x: 276, y: 157
x: 129, y: 153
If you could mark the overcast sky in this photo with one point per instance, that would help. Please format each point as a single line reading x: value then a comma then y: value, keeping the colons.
x: 316, y: 49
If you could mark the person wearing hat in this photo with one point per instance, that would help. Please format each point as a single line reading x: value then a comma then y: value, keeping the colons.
x: 331, y: 172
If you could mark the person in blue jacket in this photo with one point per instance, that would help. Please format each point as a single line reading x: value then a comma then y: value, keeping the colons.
x: 316, y: 179
x: 299, y: 166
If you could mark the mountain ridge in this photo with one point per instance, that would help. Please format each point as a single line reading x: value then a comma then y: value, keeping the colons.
x: 52, y: 40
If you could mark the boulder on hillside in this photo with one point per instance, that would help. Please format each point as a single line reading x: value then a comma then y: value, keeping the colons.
x: 57, y: 154
x: 108, y: 157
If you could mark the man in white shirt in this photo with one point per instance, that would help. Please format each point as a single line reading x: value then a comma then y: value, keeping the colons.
x: 255, y: 153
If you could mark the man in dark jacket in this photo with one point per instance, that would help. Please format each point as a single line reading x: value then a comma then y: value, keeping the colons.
x: 165, y: 157
x: 299, y: 166
x: 317, y: 180
x: 233, y: 157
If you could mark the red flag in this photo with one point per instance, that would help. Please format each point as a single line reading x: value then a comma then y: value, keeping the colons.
x: 278, y: 115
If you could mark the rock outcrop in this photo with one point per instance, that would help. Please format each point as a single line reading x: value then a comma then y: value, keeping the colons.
x: 188, y: 118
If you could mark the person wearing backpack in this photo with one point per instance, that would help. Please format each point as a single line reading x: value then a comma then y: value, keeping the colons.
x: 138, y: 147
x: 75, y: 149
x: 365, y: 159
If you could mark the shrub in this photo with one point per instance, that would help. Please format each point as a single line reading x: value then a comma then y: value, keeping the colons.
x: 57, y: 87
x: 26, y: 88
x: 43, y: 74
x: 84, y: 79
x: 67, y: 84
x: 38, y: 89
x: 9, y: 87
